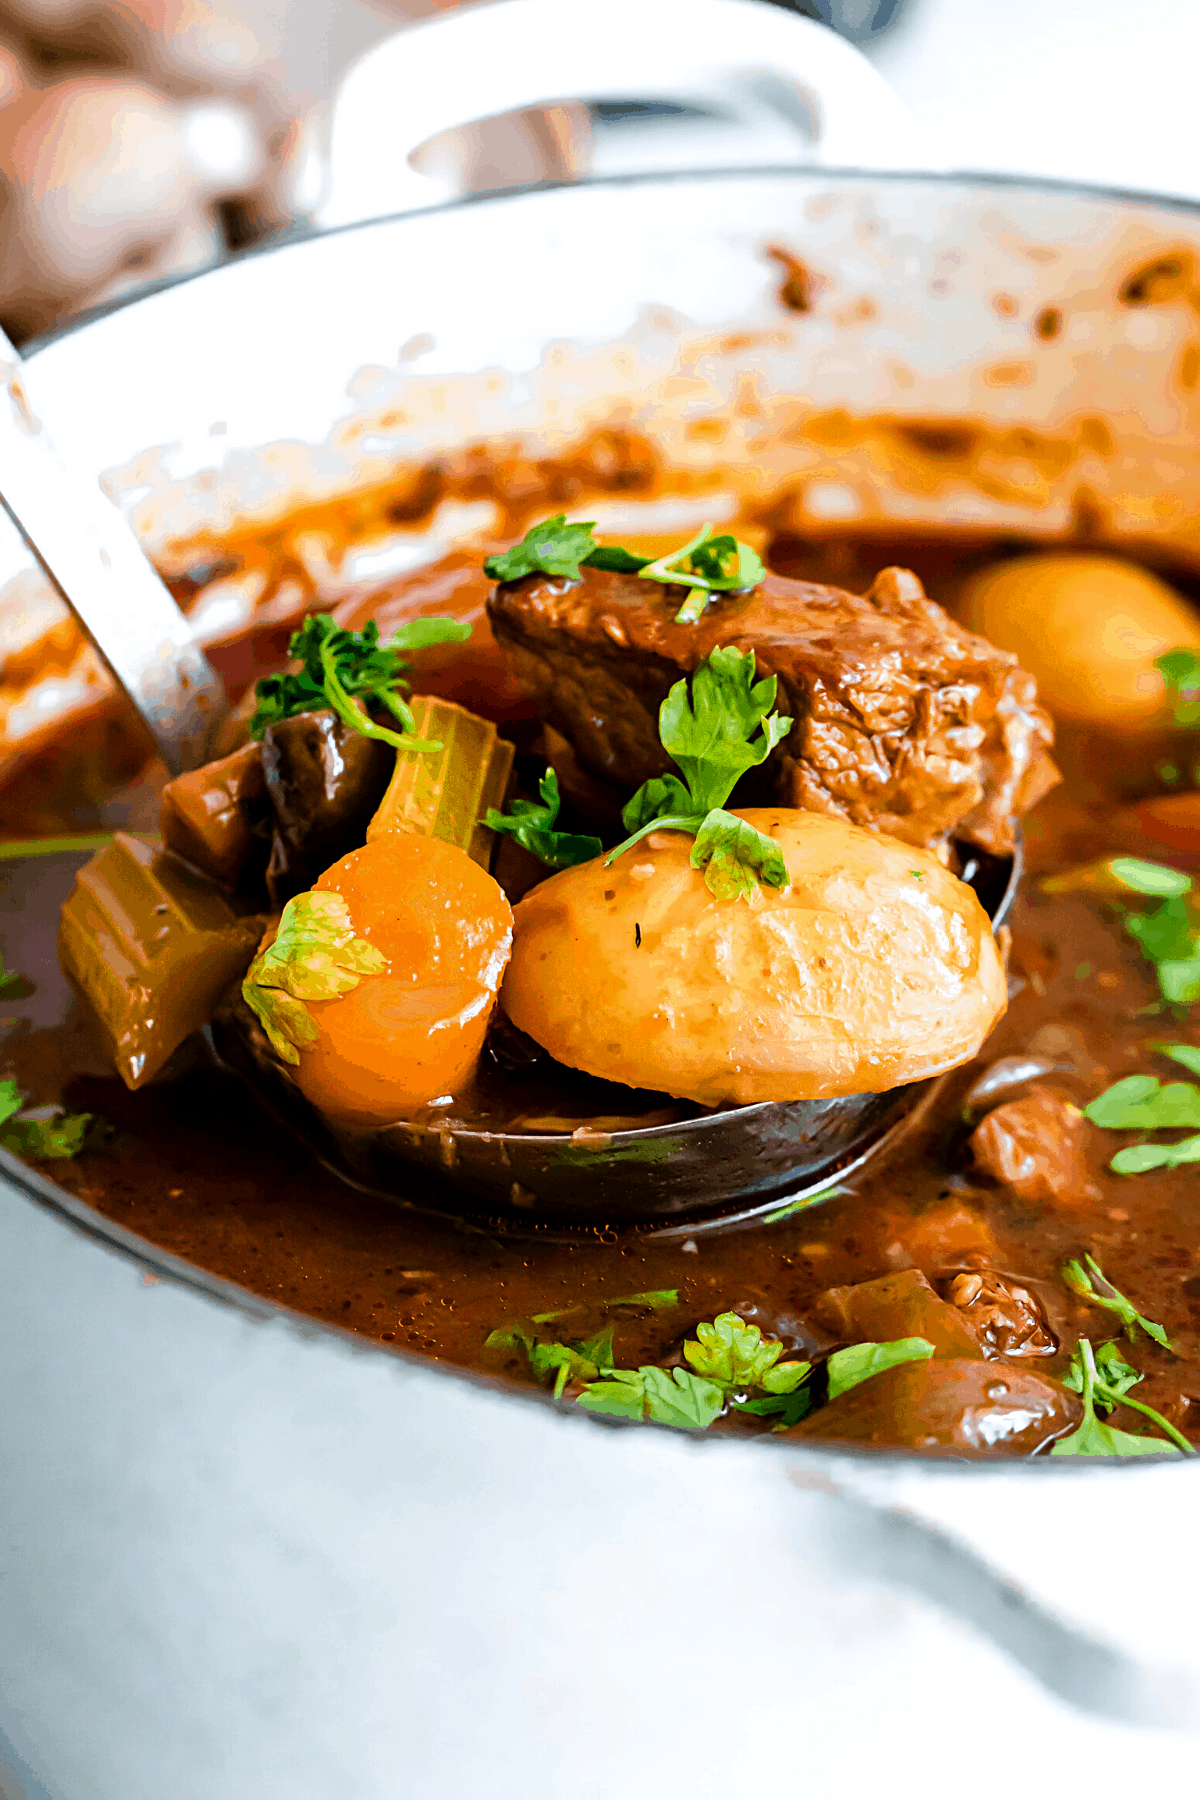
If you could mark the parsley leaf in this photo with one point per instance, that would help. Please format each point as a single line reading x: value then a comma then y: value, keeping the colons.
x: 13, y: 986
x: 1105, y: 1380
x: 661, y: 1396
x: 1181, y: 671
x: 1112, y: 1372
x: 858, y: 1362
x: 706, y: 565
x: 61, y: 1135
x: 734, y: 1353
x: 314, y: 956
x: 723, y: 727
x: 555, y: 548
x: 1139, y: 1159
x: 1187, y: 1054
x: 341, y: 668
x: 1143, y: 1103
x: 736, y: 857
x: 788, y: 1408
x: 1082, y: 1282
x: 804, y: 1201
x: 657, y: 1299
x: 1168, y: 935
x: 532, y: 826
x: 715, y: 733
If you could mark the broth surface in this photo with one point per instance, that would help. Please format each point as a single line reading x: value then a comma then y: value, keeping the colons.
x: 191, y: 1167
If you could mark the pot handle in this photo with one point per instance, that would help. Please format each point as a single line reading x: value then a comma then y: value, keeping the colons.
x: 481, y: 61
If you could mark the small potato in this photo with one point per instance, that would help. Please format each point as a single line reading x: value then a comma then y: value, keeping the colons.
x: 405, y: 1037
x: 875, y: 967
x: 1088, y: 628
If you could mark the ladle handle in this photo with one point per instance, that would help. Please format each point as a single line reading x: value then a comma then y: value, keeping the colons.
x: 89, y: 552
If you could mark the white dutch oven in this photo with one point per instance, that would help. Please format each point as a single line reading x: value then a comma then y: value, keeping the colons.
x: 248, y: 1557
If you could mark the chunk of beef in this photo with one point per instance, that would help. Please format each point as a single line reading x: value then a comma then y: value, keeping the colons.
x: 972, y: 1408
x: 208, y: 816
x: 1035, y: 1146
x: 896, y: 1306
x: 950, y: 1234
x: 904, y: 721
x: 1007, y: 1319
x: 325, y: 783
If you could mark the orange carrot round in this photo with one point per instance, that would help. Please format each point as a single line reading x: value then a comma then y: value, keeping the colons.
x: 412, y: 1033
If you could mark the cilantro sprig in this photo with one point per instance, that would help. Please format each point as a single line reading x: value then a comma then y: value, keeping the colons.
x: 1091, y: 1283
x: 532, y: 826
x: 343, y: 670
x: 705, y: 565
x: 1104, y: 1379
x: 60, y: 1136
x: 714, y: 733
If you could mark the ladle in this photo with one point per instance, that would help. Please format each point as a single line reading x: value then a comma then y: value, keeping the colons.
x: 89, y: 552
x: 595, y: 1172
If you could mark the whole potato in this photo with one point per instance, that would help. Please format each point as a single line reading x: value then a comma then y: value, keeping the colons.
x: 1088, y: 628
x: 875, y: 967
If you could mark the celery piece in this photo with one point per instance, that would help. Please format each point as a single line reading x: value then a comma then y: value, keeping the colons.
x: 151, y: 945
x: 446, y: 794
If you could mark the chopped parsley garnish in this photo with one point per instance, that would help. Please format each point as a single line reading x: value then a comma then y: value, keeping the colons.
x: 656, y: 1396
x: 556, y: 548
x: 706, y: 565
x: 343, y: 669
x: 803, y: 1201
x: 1168, y: 934
x: 1180, y: 670
x: 1083, y: 1282
x: 1187, y: 1054
x: 1143, y: 1103
x: 45, y: 1140
x: 858, y: 1362
x: 656, y: 1299
x: 532, y: 826
x: 1104, y: 1380
x: 715, y: 733
x: 12, y: 985
x: 734, y: 1353
x: 730, y: 1365
x: 314, y: 956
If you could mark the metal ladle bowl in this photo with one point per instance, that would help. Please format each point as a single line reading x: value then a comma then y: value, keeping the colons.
x: 724, y: 1164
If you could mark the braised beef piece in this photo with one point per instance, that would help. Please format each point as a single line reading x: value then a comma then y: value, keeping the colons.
x: 903, y: 721
x: 970, y: 1407
x: 896, y: 1306
x: 325, y: 782
x: 1035, y: 1146
x: 1006, y: 1318
x: 213, y: 817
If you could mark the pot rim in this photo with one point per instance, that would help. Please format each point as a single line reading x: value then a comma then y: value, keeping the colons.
x: 302, y: 234
x: 88, y: 1222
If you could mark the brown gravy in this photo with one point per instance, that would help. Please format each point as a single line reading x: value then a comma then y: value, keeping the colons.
x: 191, y: 1169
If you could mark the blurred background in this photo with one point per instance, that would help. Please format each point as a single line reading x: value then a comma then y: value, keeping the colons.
x: 144, y: 139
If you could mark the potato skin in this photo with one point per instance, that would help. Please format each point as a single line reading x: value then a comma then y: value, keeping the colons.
x: 875, y: 967
x: 1089, y: 628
